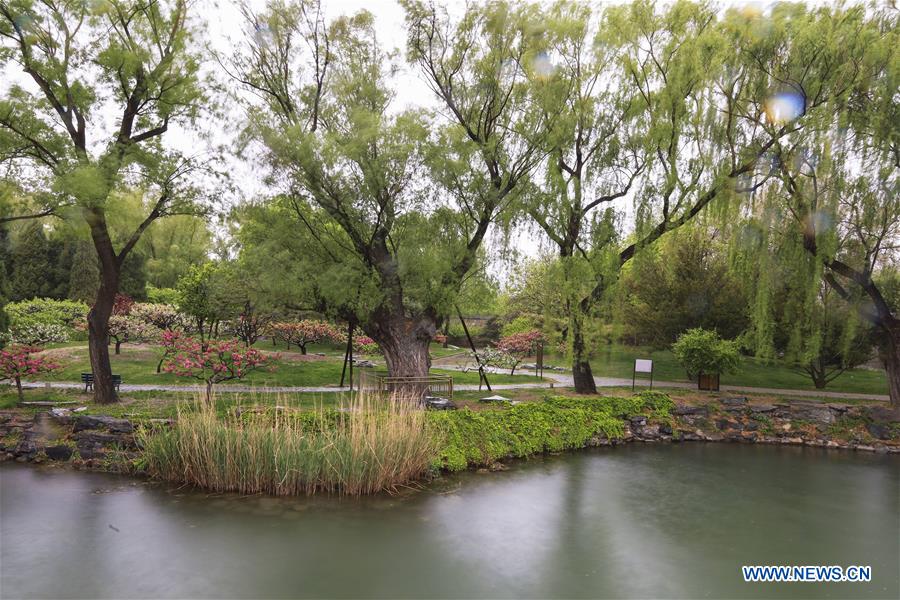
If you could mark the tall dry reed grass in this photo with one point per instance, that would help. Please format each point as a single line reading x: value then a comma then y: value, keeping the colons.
x: 365, y: 445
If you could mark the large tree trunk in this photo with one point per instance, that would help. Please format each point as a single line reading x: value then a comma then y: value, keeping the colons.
x: 98, y: 344
x: 98, y: 316
x: 889, y: 351
x: 404, y: 342
x: 581, y: 369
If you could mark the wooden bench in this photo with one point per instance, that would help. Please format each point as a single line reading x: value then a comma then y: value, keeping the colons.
x: 88, y: 380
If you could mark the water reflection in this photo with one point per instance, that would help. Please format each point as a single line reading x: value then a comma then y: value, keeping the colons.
x: 638, y: 521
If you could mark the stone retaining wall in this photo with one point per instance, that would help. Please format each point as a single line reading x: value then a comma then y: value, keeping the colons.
x: 86, y: 441
x: 108, y: 443
x: 863, y: 428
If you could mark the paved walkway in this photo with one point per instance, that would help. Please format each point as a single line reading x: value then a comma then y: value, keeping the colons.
x: 564, y: 380
x: 151, y: 387
x: 551, y: 380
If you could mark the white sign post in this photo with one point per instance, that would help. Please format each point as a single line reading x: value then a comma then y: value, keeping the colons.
x: 642, y: 365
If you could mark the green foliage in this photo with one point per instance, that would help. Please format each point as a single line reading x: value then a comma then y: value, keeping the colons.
x: 196, y: 294
x: 133, y: 276
x: 385, y: 211
x: 44, y: 321
x: 103, y: 82
x: 171, y: 246
x: 157, y: 295
x: 682, y: 282
x: 65, y: 313
x: 4, y: 281
x: 473, y: 438
x: 702, y: 351
x: 36, y: 262
x: 85, y: 275
x: 520, y: 324
x: 455, y: 329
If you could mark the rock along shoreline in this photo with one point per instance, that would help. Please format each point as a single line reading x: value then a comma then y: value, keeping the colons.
x: 104, y: 443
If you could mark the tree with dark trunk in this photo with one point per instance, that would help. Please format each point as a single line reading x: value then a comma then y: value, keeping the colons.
x: 380, y: 221
x: 671, y: 96
x: 849, y: 225
x: 135, y: 53
x: 835, y: 205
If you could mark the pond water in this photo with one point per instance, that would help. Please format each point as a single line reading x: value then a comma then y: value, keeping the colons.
x: 634, y: 521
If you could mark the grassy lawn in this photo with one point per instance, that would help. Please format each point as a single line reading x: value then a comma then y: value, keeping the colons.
x: 137, y: 365
x: 618, y: 361
x: 160, y: 404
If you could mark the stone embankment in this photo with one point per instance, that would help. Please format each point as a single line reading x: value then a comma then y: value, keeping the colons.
x: 862, y: 428
x: 108, y: 443
x: 85, y: 441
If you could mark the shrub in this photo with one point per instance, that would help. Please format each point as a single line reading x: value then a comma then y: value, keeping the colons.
x: 42, y: 321
x: 249, y: 325
x: 493, y: 358
x: 37, y: 334
x: 212, y: 362
x: 46, y: 311
x: 162, y: 295
x: 303, y: 333
x: 161, y: 316
x: 469, y: 438
x: 519, y: 346
x: 456, y: 330
x: 703, y: 351
x: 17, y: 362
x: 127, y: 328
x: 370, y: 446
x: 363, y: 344
x: 521, y: 324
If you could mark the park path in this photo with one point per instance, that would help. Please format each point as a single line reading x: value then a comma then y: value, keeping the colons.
x: 153, y: 387
x: 551, y: 380
x: 563, y: 380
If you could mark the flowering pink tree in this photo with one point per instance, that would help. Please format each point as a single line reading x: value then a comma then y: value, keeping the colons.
x: 17, y: 362
x: 519, y: 346
x: 161, y: 316
x: 250, y: 325
x: 129, y: 328
x: 301, y: 333
x: 169, y: 339
x: 123, y: 304
x: 213, y: 362
x: 363, y: 344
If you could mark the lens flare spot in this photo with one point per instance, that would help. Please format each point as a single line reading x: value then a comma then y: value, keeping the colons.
x: 784, y: 107
x: 263, y: 36
x: 751, y: 10
x: 543, y: 66
x: 820, y: 221
x: 23, y: 22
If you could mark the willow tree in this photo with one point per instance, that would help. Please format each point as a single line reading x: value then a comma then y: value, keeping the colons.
x: 676, y: 98
x: 82, y: 61
x: 360, y: 229
x: 832, y: 214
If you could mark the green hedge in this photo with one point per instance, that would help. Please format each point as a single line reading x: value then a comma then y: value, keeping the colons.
x: 470, y: 438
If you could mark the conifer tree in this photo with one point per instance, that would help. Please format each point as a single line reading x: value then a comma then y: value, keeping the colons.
x: 84, y: 279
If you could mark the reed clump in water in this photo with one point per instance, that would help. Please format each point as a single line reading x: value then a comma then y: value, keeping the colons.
x: 367, y: 445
